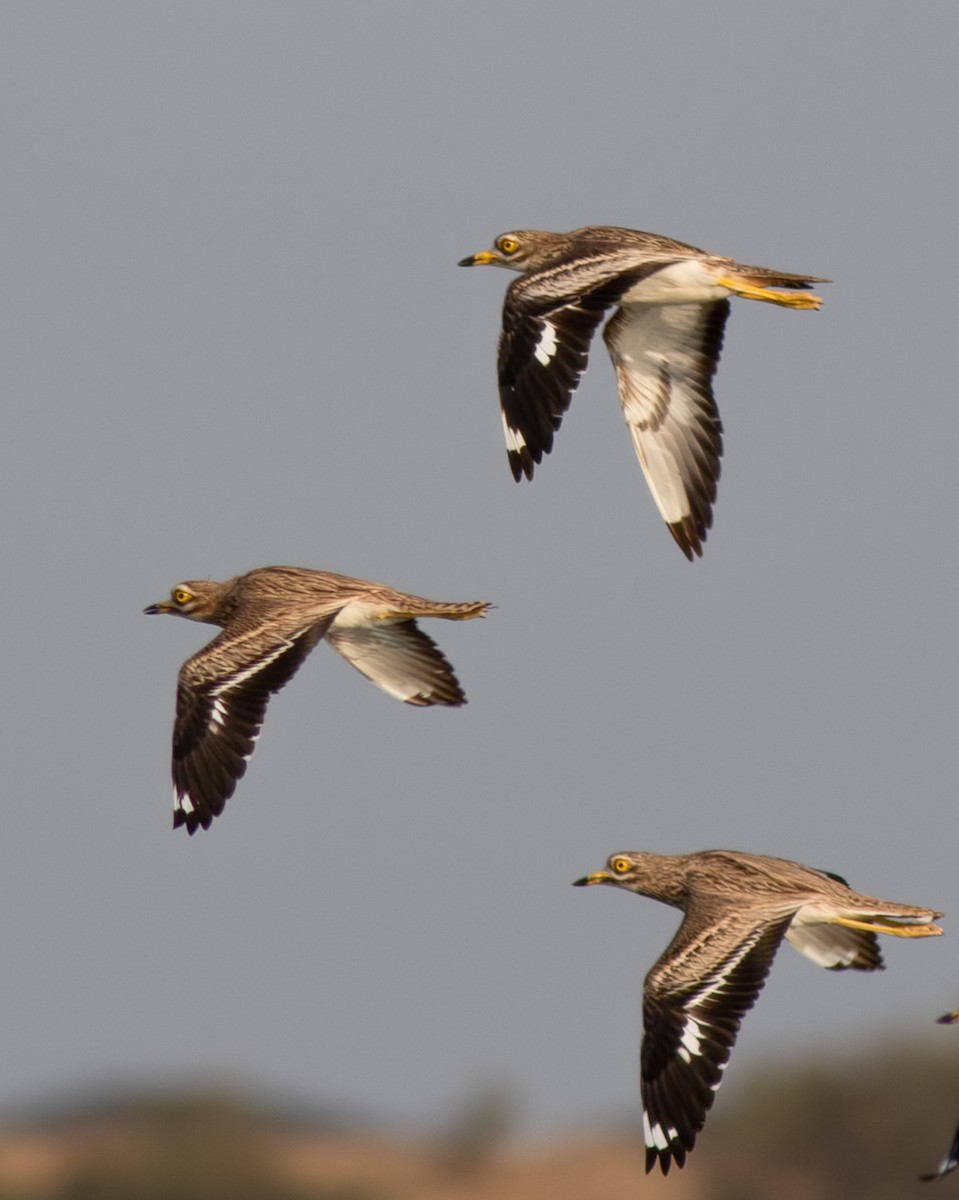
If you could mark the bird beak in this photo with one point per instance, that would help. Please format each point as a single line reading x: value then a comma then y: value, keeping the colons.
x: 163, y: 607
x: 484, y: 258
x: 596, y: 877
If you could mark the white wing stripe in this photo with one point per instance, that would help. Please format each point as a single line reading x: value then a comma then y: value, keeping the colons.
x: 546, y: 346
x: 218, y: 715
x: 716, y: 982
x: 254, y: 668
x: 655, y: 1137
x: 182, y: 801
x: 515, y: 441
x: 690, y: 1044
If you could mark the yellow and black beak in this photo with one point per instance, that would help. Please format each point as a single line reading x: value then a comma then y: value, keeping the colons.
x: 596, y: 877
x: 482, y: 259
x: 164, y: 606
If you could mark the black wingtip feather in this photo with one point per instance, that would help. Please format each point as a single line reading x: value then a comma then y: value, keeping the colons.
x: 687, y: 539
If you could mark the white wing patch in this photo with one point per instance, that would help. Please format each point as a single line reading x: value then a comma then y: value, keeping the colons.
x: 546, y: 346
x: 690, y: 1043
x: 655, y: 1137
x: 515, y: 442
x: 220, y: 711
x: 182, y: 802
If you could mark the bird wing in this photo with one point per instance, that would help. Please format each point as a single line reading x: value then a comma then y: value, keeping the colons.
x: 949, y: 1162
x: 222, y: 693
x: 665, y: 357
x: 395, y: 654
x: 549, y: 318
x: 694, y: 1000
x: 836, y: 947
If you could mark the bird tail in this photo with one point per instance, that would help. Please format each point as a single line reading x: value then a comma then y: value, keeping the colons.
x: 465, y: 611
x: 899, y: 920
x: 768, y: 277
x: 775, y: 287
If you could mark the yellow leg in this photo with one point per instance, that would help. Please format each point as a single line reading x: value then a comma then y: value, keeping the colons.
x: 749, y: 291
x: 396, y: 614
x: 888, y: 925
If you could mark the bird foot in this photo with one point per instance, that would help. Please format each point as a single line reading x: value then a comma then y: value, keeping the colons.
x: 889, y: 925
x: 749, y: 291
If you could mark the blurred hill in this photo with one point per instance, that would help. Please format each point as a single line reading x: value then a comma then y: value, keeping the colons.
x: 856, y: 1126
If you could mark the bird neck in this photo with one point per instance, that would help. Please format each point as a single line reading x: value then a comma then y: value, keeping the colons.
x: 661, y: 877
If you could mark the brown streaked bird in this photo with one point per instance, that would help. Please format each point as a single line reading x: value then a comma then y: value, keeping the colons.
x: 272, y: 618
x: 737, y: 909
x: 671, y: 304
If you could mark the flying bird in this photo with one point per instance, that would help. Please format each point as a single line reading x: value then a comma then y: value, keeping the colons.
x: 271, y: 619
x: 670, y: 303
x: 737, y: 909
x: 948, y: 1164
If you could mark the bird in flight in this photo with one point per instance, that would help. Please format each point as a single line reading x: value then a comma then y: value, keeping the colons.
x: 670, y: 304
x: 271, y: 619
x: 737, y: 909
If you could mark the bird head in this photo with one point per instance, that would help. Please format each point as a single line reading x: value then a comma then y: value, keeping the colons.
x: 519, y: 250
x: 196, y: 599
x: 621, y: 870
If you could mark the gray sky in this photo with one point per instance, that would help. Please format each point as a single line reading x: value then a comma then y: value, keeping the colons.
x: 236, y: 335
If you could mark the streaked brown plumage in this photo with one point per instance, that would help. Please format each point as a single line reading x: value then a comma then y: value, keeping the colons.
x: 671, y: 304
x: 272, y: 618
x: 738, y: 907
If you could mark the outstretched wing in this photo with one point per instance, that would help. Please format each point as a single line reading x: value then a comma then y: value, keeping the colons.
x: 665, y: 357
x: 836, y: 947
x: 549, y: 318
x: 396, y: 655
x: 694, y: 1000
x: 222, y: 693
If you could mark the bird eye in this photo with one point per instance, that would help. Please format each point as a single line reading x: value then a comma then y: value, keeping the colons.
x: 620, y: 865
x: 182, y: 596
x: 507, y: 245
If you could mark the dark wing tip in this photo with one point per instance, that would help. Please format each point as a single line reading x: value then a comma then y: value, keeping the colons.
x: 221, y: 704
x: 521, y: 463
x: 665, y: 1158
x: 198, y: 819
x: 689, y: 537
x: 689, y: 1035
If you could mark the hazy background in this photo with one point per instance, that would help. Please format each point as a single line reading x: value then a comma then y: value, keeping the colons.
x: 235, y: 334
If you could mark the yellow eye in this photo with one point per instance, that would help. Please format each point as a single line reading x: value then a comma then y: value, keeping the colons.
x: 182, y: 596
x: 620, y: 865
x: 507, y: 245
